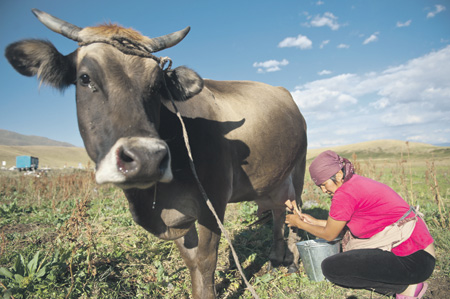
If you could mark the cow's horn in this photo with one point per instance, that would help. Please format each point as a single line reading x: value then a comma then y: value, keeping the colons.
x: 57, y: 25
x: 166, y: 41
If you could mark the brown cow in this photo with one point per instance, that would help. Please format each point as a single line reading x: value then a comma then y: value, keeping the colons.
x: 248, y: 139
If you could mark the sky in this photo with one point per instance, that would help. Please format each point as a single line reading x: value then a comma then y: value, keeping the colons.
x: 359, y: 70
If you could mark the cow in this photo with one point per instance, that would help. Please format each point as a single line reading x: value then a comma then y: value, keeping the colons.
x: 247, y: 139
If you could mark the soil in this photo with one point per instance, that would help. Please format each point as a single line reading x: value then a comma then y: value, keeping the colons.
x: 23, y: 230
x: 438, y: 287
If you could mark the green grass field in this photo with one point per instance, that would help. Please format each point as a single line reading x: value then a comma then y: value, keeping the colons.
x: 63, y: 236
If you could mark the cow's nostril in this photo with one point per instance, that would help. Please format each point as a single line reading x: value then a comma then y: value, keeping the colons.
x: 165, y: 163
x: 124, y: 157
x: 126, y: 161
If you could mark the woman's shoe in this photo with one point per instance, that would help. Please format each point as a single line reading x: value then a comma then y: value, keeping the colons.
x: 420, y: 291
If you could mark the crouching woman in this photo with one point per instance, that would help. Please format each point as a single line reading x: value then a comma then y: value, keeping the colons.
x: 387, y: 247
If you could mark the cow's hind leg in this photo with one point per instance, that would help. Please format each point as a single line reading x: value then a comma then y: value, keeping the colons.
x: 199, y: 252
x: 283, y: 253
x: 298, y: 180
x: 292, y: 256
x: 277, y: 252
x: 290, y: 189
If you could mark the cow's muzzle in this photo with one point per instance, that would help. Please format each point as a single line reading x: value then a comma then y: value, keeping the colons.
x: 135, y: 162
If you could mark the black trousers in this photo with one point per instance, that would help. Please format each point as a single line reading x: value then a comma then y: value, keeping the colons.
x: 378, y: 270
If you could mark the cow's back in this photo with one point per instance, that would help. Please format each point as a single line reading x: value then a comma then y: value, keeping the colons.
x: 270, y: 125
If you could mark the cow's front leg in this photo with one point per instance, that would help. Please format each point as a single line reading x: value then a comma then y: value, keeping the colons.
x: 199, y: 252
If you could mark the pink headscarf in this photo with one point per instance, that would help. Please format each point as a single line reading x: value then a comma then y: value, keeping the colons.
x: 328, y: 164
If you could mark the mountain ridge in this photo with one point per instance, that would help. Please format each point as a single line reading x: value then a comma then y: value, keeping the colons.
x: 11, y: 138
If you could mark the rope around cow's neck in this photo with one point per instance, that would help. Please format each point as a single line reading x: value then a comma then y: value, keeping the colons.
x: 208, y: 201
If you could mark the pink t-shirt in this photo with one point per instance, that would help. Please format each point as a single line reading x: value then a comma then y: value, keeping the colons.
x: 369, y: 206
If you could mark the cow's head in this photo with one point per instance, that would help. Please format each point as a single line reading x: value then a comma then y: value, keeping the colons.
x: 119, y: 89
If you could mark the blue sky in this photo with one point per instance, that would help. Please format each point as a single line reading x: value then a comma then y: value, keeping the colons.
x: 359, y: 70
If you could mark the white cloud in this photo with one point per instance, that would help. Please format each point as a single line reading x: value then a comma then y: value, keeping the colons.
x: 270, y: 65
x: 437, y: 9
x: 301, y: 42
x: 328, y: 91
x: 327, y: 19
x: 405, y: 24
x: 371, y: 39
x: 343, y: 46
x: 380, y: 104
x: 412, y: 99
x: 324, y: 72
x: 324, y: 43
x: 320, y: 3
x: 394, y: 119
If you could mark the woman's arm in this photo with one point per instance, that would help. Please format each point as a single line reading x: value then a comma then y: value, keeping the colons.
x: 326, y: 229
x: 313, y: 221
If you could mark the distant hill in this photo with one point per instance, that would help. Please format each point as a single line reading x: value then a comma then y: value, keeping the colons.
x: 386, y: 149
x: 15, y: 139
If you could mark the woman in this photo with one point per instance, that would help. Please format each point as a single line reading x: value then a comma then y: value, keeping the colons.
x: 394, y: 252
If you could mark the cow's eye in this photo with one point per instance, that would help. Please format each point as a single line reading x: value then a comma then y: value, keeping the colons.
x: 85, y: 79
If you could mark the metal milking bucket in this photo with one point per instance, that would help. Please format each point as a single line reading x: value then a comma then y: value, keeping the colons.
x: 313, y: 252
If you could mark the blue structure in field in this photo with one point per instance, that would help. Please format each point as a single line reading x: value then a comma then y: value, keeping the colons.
x: 26, y: 163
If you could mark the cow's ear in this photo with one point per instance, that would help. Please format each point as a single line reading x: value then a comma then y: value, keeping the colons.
x: 183, y: 83
x: 41, y: 58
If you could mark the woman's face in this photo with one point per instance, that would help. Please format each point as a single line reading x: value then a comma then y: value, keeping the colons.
x: 330, y: 187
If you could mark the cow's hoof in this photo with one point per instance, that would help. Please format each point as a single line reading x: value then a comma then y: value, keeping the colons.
x: 272, y: 266
x: 292, y: 269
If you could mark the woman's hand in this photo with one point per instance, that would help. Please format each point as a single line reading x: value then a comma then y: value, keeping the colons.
x: 309, y: 219
x: 294, y: 220
x: 326, y: 229
x: 292, y: 206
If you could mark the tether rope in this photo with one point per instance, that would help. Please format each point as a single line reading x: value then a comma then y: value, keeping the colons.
x: 205, y: 197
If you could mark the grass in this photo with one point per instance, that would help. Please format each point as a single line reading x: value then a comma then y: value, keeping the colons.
x: 63, y: 236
